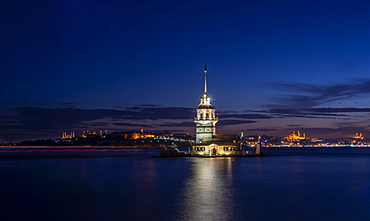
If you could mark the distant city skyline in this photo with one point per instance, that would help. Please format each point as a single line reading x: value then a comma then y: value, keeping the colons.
x: 273, y: 67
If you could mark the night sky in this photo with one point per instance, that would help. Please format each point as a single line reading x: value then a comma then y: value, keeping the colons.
x: 273, y: 66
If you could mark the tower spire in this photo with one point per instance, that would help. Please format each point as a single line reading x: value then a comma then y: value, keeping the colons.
x: 205, y: 77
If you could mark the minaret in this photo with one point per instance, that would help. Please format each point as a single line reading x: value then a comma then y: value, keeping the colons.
x: 206, y: 118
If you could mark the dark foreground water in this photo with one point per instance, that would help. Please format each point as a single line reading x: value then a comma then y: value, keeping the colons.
x: 296, y: 184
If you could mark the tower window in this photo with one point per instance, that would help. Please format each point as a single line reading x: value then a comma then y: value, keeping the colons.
x: 229, y: 148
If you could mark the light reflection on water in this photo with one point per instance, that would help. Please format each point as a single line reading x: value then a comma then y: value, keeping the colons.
x: 208, y: 193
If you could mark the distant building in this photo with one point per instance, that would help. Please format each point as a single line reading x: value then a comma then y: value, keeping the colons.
x: 141, y: 134
x: 207, y: 141
x: 297, y: 136
x: 68, y: 135
x: 94, y: 133
x: 358, y: 136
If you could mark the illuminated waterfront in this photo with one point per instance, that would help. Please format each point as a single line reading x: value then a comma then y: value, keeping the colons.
x: 297, y: 184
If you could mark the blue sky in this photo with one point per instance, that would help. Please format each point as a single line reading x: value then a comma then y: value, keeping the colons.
x: 273, y: 66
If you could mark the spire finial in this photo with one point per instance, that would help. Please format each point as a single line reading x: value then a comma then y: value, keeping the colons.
x: 205, y: 77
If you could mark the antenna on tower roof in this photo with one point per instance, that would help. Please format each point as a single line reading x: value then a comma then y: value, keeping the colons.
x: 205, y: 77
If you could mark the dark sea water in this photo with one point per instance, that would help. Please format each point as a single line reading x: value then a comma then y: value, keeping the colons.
x: 292, y: 184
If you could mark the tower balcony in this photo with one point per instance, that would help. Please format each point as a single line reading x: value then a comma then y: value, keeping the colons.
x: 206, y: 119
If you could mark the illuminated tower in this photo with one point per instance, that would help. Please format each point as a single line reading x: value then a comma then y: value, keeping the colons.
x: 206, y: 118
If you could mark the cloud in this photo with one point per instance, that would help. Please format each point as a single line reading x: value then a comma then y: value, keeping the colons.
x: 245, y: 116
x: 34, y: 118
x: 261, y: 129
x: 133, y: 125
x: 234, y: 122
x: 41, y: 122
x: 294, y: 125
x: 155, y: 113
x: 340, y: 110
x: 190, y: 124
x: 324, y: 113
x: 56, y: 104
x: 309, y: 95
x: 149, y: 105
x: 27, y: 120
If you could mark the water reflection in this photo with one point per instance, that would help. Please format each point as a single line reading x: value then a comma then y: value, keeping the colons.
x: 209, y: 193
